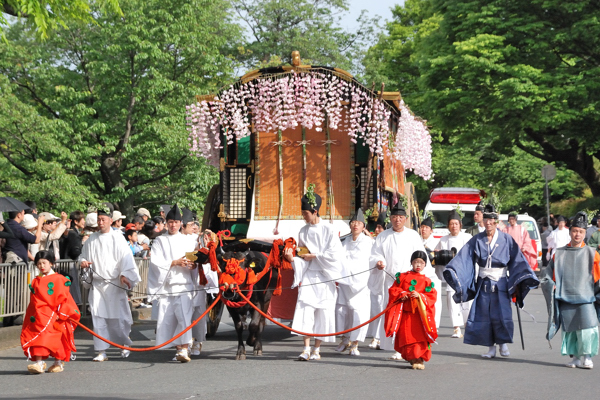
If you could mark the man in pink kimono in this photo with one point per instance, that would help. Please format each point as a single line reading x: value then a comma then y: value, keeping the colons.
x: 521, y: 236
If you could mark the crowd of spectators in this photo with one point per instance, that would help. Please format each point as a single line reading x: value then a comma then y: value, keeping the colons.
x: 25, y: 233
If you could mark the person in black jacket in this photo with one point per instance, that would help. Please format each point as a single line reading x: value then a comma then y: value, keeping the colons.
x: 71, y: 247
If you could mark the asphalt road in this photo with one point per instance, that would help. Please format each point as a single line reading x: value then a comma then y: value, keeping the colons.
x: 455, y: 371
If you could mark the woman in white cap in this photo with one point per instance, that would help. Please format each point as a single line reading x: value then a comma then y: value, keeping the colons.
x: 30, y: 223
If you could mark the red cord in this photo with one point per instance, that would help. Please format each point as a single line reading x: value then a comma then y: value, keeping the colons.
x: 316, y: 334
x: 85, y: 328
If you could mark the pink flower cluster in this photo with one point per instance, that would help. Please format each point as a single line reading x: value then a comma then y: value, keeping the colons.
x: 413, y: 144
x: 279, y: 102
x: 204, y: 123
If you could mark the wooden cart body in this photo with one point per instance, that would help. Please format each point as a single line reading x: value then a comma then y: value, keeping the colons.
x: 264, y: 174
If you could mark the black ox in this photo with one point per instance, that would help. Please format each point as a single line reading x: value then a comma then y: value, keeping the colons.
x: 261, y: 297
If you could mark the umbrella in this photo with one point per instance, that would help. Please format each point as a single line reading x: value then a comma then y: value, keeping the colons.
x: 10, y: 204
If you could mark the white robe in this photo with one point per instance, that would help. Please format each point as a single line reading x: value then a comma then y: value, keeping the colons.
x: 354, y: 300
x: 173, y: 287
x: 558, y: 238
x: 430, y: 242
x: 111, y: 258
x: 199, y: 301
x: 395, y: 250
x: 458, y: 312
x: 315, y: 308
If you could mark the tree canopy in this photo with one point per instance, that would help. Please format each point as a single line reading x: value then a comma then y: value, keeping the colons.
x: 103, y: 103
x: 489, y: 79
x: 275, y: 28
x: 50, y: 14
x: 520, y: 73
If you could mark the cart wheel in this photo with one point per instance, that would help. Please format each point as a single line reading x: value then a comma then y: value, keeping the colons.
x: 214, y: 316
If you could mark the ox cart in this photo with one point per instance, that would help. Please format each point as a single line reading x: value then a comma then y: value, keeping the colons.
x: 277, y: 130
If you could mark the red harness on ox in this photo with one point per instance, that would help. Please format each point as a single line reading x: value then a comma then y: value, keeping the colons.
x: 233, y: 276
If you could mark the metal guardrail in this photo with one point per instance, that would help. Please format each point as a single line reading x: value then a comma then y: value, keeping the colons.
x: 15, y: 278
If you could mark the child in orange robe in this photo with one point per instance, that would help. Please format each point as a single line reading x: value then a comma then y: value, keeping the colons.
x: 412, y: 319
x: 47, y: 330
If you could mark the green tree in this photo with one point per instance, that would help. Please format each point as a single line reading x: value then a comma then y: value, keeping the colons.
x: 275, y: 28
x: 463, y: 154
x: 49, y: 14
x: 519, y: 73
x: 33, y: 164
x: 113, y: 95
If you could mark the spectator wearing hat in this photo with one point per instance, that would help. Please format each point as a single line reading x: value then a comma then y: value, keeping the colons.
x: 139, y: 222
x: 118, y: 221
x: 30, y: 223
x: 52, y: 231
x: 164, y: 210
x: 91, y: 225
x: 144, y: 213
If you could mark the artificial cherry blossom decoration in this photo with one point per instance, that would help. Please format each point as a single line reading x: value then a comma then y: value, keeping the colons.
x: 413, y: 144
x: 311, y: 100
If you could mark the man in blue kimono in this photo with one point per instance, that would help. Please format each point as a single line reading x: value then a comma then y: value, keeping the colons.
x: 571, y: 287
x: 503, y: 274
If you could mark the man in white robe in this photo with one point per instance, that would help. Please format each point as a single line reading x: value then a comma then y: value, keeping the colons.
x: 170, y: 282
x: 212, y: 287
x: 354, y: 298
x: 315, y: 273
x: 430, y: 242
x: 426, y: 231
x: 456, y: 239
x: 559, y: 237
x: 377, y: 297
x: 109, y: 269
x: 391, y: 255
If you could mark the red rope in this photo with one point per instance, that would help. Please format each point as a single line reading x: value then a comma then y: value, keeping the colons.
x: 238, y: 304
x: 316, y: 334
x: 226, y: 233
x: 85, y: 328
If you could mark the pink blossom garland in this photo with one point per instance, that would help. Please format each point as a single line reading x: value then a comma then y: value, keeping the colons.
x: 413, y: 144
x: 305, y: 99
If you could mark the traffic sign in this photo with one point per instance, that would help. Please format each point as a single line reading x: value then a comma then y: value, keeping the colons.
x: 548, y: 172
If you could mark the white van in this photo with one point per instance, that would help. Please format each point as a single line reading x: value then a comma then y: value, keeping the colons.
x: 443, y: 200
x: 533, y: 230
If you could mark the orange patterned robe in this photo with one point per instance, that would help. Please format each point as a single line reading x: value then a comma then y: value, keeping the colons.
x: 412, y: 320
x: 47, y: 330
